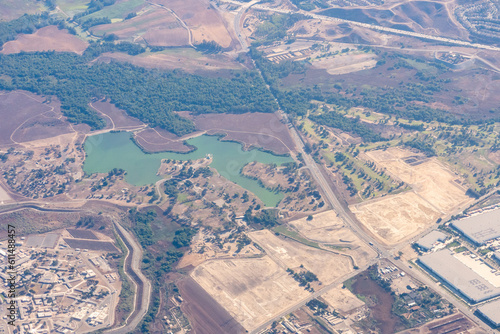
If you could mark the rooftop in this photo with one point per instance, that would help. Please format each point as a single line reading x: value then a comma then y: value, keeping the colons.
x: 430, y: 239
x: 459, y: 276
x: 480, y: 228
x: 490, y: 311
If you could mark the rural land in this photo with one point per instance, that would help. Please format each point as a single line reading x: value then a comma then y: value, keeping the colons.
x: 250, y: 166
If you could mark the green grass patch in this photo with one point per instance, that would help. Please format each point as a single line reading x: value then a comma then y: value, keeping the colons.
x: 117, y: 11
x: 461, y: 249
x: 282, y: 229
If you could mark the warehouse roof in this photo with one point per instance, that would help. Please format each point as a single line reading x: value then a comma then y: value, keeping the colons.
x: 459, y: 276
x: 490, y: 311
x: 480, y: 228
x: 430, y: 239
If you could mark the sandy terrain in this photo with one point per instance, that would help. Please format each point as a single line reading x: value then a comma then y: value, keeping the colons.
x: 291, y: 254
x: 46, y: 39
x: 251, y: 290
x: 396, y: 218
x: 327, y: 228
x: 430, y: 179
x: 342, y: 299
x: 346, y: 63
x: 159, y: 140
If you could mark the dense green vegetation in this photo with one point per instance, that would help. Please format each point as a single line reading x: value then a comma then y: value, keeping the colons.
x: 265, y: 218
x: 275, y: 27
x: 183, y: 237
x: 150, y: 95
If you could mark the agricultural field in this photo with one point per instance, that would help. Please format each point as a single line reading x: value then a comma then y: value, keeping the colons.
x: 327, y: 266
x: 46, y: 39
x: 251, y: 290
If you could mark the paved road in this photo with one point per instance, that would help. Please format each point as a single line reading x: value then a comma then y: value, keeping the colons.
x: 383, y: 29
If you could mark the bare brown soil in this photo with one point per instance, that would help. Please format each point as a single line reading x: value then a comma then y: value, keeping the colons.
x: 116, y: 118
x: 25, y: 117
x: 453, y: 324
x: 202, y: 19
x: 82, y: 234
x: 159, y: 140
x: 187, y: 59
x: 46, y: 39
x: 251, y: 129
x: 156, y: 26
x: 205, y: 314
x: 91, y: 245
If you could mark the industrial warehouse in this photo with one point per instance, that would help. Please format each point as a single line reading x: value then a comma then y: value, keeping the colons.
x: 460, y: 277
x: 480, y: 228
x: 491, y: 311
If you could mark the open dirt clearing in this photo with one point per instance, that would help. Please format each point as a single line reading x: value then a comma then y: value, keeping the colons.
x: 155, y: 25
x: 327, y: 228
x: 25, y: 117
x: 346, y: 63
x: 430, y: 178
x: 251, y: 129
x: 205, y: 314
x: 342, y: 299
x: 159, y: 140
x: 292, y: 254
x: 202, y: 19
x: 395, y: 218
x: 188, y: 60
x: 251, y: 290
x: 46, y: 39
x: 116, y: 118
x: 3, y: 195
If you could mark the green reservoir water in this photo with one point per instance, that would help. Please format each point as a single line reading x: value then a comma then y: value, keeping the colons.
x: 117, y: 150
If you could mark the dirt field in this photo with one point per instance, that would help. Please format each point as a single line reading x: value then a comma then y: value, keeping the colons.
x: 205, y: 314
x: 342, y: 299
x: 291, y: 254
x: 251, y: 129
x: 4, y: 196
x: 159, y: 140
x: 115, y: 118
x: 154, y: 25
x: 25, y: 118
x: 202, y: 19
x: 46, y: 39
x: 396, y: 218
x: 430, y: 179
x: 346, y: 63
x: 327, y: 228
x: 188, y: 59
x: 12, y: 9
x: 251, y: 290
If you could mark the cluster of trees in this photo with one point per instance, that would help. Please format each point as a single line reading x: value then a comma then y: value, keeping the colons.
x: 141, y: 225
x: 183, y: 237
x: 265, y: 218
x: 210, y: 47
x: 94, y: 21
x: 149, y: 95
x: 275, y: 27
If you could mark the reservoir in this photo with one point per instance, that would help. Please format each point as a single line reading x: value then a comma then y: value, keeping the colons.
x: 117, y: 150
